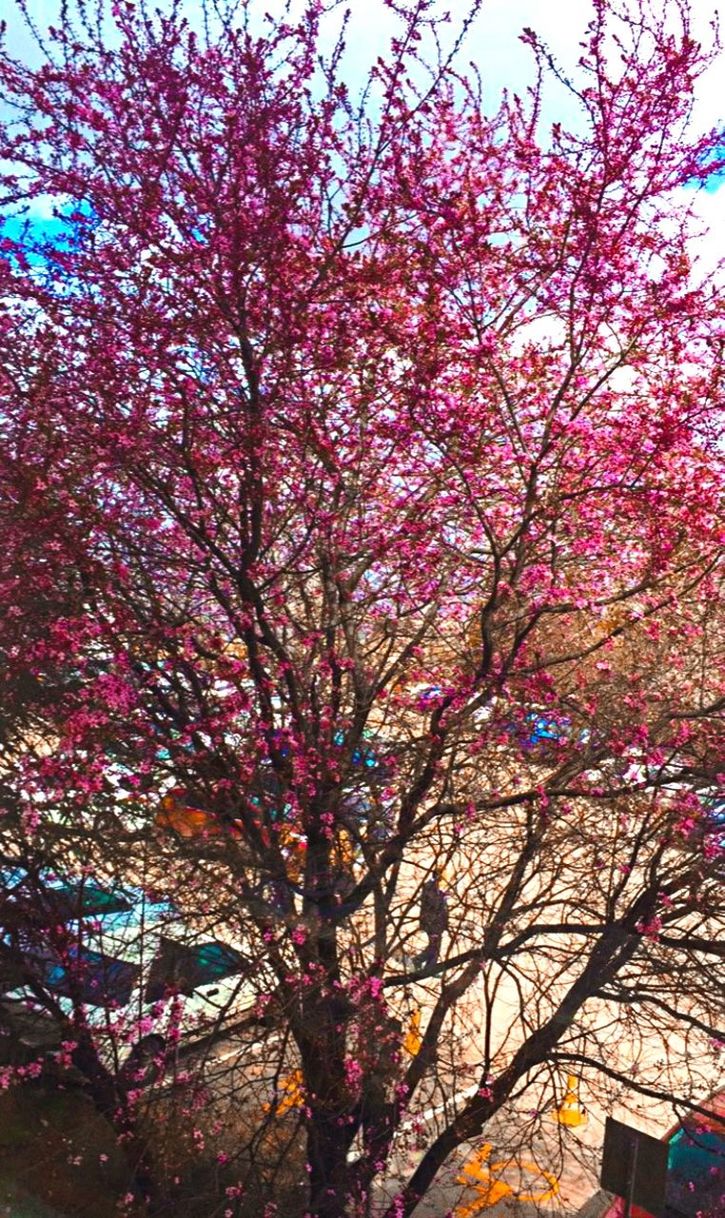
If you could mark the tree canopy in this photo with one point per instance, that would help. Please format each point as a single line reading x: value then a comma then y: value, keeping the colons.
x: 362, y: 555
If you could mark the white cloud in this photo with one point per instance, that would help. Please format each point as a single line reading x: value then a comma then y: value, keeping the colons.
x: 707, y: 248
x: 43, y: 207
x: 494, y: 42
x: 494, y: 46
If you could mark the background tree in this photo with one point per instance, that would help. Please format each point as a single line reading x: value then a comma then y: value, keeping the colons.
x: 383, y: 439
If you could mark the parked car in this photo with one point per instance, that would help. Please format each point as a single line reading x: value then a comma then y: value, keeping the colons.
x: 696, y: 1170
x: 127, y: 957
x: 695, y: 1186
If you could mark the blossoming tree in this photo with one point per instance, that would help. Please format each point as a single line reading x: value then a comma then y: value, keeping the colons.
x: 362, y: 538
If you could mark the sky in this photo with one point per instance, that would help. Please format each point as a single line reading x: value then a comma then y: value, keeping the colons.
x: 493, y: 42
x: 494, y: 45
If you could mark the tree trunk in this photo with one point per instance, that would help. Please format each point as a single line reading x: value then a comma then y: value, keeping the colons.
x: 327, y: 1144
